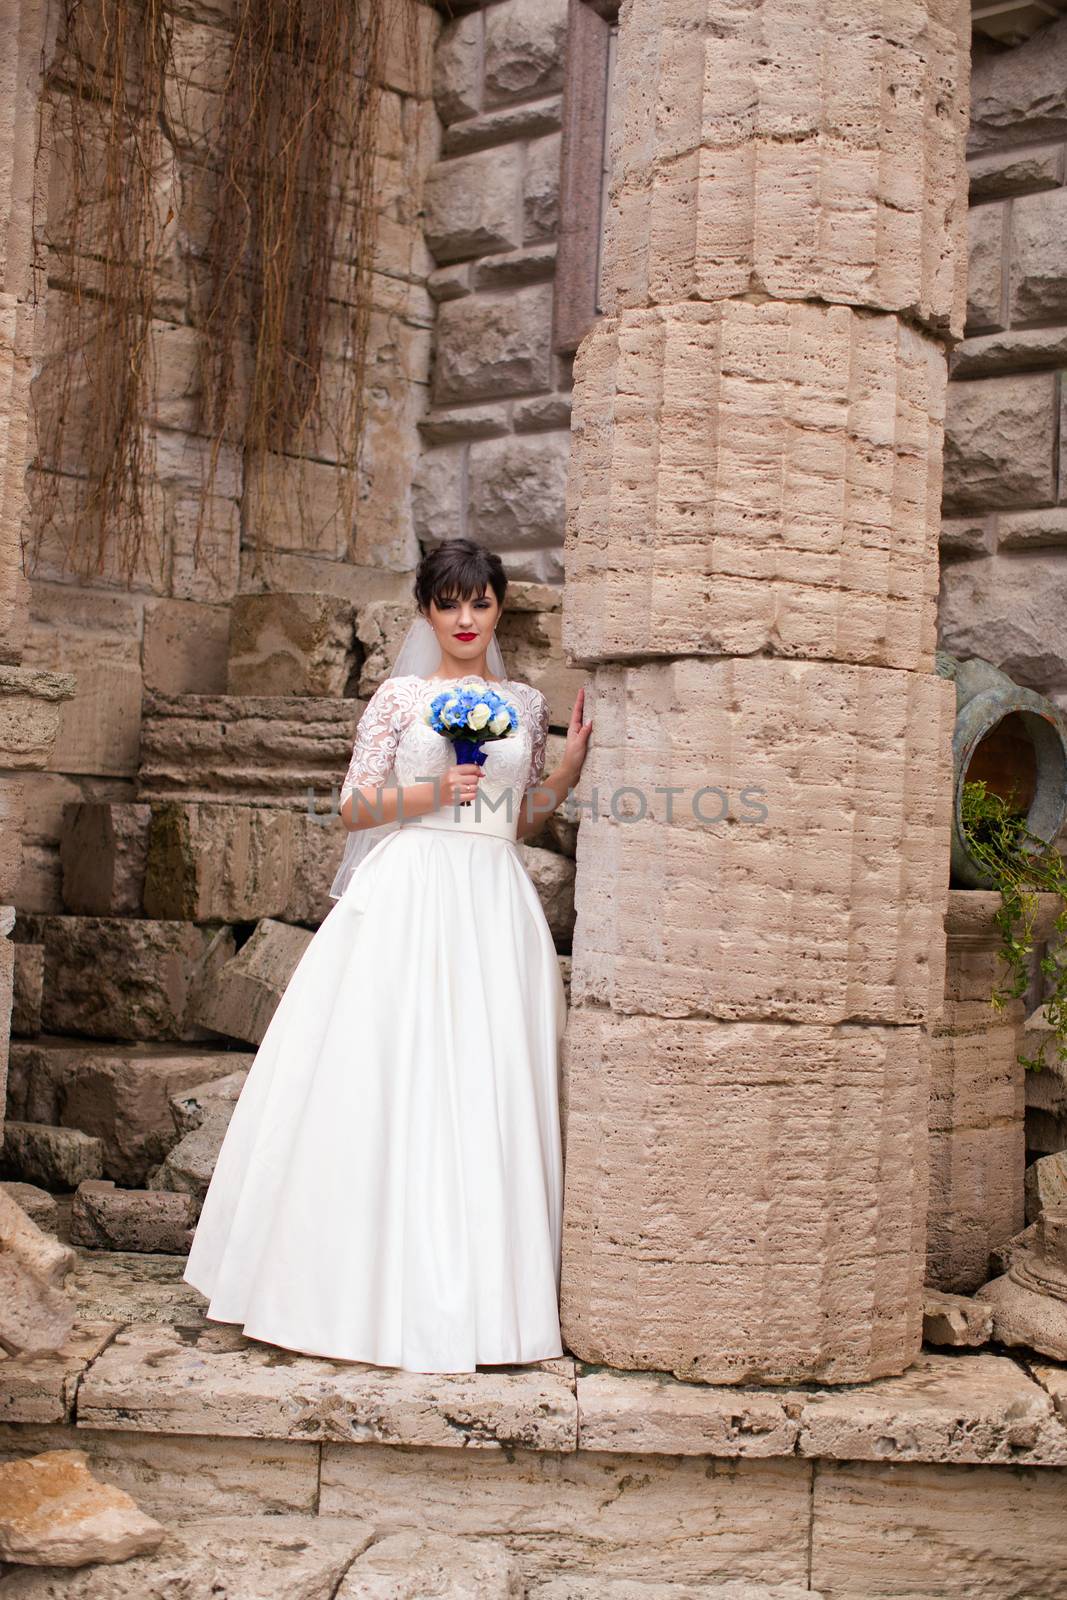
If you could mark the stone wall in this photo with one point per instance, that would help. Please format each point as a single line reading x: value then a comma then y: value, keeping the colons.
x: 496, y: 433
x: 1004, y: 537
x: 168, y: 633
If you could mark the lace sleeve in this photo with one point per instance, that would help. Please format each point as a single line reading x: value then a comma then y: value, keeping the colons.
x: 539, y: 739
x: 376, y: 741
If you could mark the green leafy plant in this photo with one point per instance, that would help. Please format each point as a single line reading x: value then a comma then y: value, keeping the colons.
x: 1022, y: 866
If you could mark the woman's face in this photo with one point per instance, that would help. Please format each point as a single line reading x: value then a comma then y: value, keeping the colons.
x: 464, y: 627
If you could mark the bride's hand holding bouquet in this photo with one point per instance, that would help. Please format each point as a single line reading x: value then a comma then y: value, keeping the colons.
x: 471, y: 716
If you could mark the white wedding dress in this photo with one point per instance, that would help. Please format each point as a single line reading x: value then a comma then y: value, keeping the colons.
x: 390, y: 1186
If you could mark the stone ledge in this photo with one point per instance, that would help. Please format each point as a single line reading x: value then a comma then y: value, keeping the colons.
x: 155, y: 1378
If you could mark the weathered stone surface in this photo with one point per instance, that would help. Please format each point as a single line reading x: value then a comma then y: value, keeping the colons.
x: 119, y: 1094
x: 118, y: 1287
x: 56, y: 1514
x: 1045, y: 1184
x: 53, y: 1158
x: 438, y: 498
x: 955, y: 1320
x: 1007, y: 608
x: 474, y: 204
x: 999, y: 443
x: 1020, y: 96
x: 985, y: 259
x: 27, y: 989
x: 936, y: 1532
x: 583, y: 1588
x: 540, y: 190
x: 106, y: 1218
x: 188, y: 1167
x: 185, y: 646
x: 251, y: 1390
x: 102, y: 853
x: 553, y: 878
x: 31, y: 702
x: 267, y: 750
x: 433, y: 1565
x: 38, y: 1204
x: 40, y: 1387
x: 242, y: 1558
x: 641, y: 1412
x: 1054, y: 1380
x: 489, y: 345
x: 820, y: 1143
x: 290, y: 644
x: 194, y: 1106
x: 517, y: 490
x: 218, y: 862
x: 965, y: 536
x: 975, y: 1408
x: 768, y: 915
x: 524, y: 49
x: 127, y: 978
x: 1021, y: 530
x: 241, y: 996
x: 1013, y: 350
x: 35, y: 1316
x: 1030, y: 1301
x: 501, y: 126
x: 1014, y: 171
x: 1038, y: 269
x: 645, y: 1519
x: 757, y: 150
x: 707, y: 502
x: 457, y: 68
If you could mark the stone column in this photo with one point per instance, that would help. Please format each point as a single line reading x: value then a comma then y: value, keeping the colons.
x: 751, y: 581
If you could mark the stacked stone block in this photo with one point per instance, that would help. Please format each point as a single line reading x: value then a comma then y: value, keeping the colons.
x: 495, y: 440
x: 1004, y: 539
x: 756, y: 477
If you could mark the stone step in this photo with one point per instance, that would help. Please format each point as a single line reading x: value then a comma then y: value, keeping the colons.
x: 48, y: 1157
x: 119, y: 1094
x: 267, y: 750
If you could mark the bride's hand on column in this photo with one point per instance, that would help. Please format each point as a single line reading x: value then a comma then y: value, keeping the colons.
x: 574, y: 751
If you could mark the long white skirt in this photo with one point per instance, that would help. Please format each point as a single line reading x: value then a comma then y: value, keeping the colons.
x: 390, y: 1187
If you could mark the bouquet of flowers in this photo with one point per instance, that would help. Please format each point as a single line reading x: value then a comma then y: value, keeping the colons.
x: 472, y: 715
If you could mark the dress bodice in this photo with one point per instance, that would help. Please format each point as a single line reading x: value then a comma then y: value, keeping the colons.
x: 395, y: 744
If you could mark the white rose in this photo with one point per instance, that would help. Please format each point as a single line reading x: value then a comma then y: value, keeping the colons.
x: 500, y: 722
x: 479, y: 715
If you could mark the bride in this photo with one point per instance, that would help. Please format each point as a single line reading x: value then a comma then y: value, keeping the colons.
x: 390, y: 1186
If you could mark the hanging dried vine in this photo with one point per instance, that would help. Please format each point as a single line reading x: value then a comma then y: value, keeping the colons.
x: 286, y: 174
x: 293, y: 228
x: 95, y: 461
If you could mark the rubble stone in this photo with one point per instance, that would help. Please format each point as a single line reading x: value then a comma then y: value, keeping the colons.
x: 56, y: 1514
x: 188, y: 1167
x: 35, y: 1316
x: 525, y: 43
x: 956, y: 1320
x: 1046, y: 1184
x: 106, y: 1218
x: 52, y: 1158
x: 474, y: 204
x: 218, y: 862
x: 290, y: 644
x: 413, y: 1563
x: 27, y: 990
x: 242, y: 995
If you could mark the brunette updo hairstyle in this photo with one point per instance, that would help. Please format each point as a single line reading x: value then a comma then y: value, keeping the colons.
x: 458, y: 569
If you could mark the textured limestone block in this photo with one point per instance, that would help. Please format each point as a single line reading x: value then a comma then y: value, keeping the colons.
x: 160, y: 1379
x: 953, y: 1319
x: 553, y: 878
x: 1046, y: 1184
x: 1009, y: 609
x: 887, y: 1531
x: 999, y: 438
x: 985, y: 259
x: 318, y: 845
x: 977, y: 1147
x: 121, y: 1094
x: 237, y: 747
x: 217, y: 862
x: 1014, y: 172
x: 414, y: 1563
x: 438, y: 498
x: 540, y: 190
x: 474, y: 204
x: 31, y: 705
x: 240, y: 1557
x: 804, y: 874
x: 457, y: 68
x: 38, y: 1204
x: 56, y: 1514
x: 241, y: 996
x: 744, y: 1202
x: 36, y: 1317
x: 282, y: 644
x: 190, y: 1164
x: 194, y: 1106
x: 1038, y: 268
x: 127, y: 978
x: 517, y: 490
x: 1021, y: 88
x: 758, y: 149
x: 185, y: 646
x: 52, y: 1158
x: 525, y: 45
x: 102, y: 852
x: 1029, y: 1303
x: 105, y: 1218
x: 755, y: 478
x: 492, y: 344
x: 1046, y: 1091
